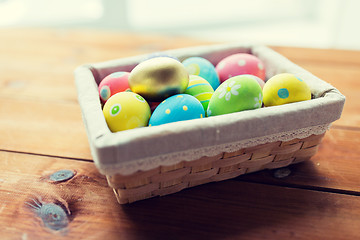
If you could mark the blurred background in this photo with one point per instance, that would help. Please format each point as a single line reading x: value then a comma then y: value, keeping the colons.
x: 305, y: 23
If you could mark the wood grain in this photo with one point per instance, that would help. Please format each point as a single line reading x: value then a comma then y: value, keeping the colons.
x: 320, y: 56
x: 228, y: 209
x: 43, y: 127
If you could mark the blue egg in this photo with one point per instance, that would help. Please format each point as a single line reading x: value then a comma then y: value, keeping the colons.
x: 203, y: 68
x: 176, y: 108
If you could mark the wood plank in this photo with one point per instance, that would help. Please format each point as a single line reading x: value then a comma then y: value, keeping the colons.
x: 317, y: 55
x: 108, y: 41
x: 43, y: 127
x: 83, y: 207
x: 335, y: 166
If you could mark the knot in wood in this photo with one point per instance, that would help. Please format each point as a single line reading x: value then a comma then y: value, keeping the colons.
x: 53, y: 216
x: 62, y: 175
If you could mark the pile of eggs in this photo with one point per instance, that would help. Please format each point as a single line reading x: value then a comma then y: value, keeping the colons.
x: 161, y: 90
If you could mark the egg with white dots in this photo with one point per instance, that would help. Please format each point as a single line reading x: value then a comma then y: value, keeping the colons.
x: 204, y: 68
x: 285, y: 88
x: 236, y: 94
x: 239, y: 64
x: 176, y: 108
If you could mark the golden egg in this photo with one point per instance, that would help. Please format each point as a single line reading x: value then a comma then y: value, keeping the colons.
x: 159, y: 78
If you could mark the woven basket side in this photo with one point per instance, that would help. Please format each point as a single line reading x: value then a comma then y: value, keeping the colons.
x: 165, y: 180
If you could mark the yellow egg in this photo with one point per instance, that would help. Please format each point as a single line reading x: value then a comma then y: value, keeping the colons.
x: 285, y: 88
x: 159, y: 78
x: 126, y: 110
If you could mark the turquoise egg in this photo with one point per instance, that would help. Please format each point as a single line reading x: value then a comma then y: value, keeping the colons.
x: 176, y: 108
x: 203, y: 68
x: 236, y: 94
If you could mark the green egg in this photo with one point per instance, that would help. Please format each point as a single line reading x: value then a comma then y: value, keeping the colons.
x: 236, y: 94
x: 201, y: 89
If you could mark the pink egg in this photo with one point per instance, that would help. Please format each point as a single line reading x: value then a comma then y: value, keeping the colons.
x: 239, y: 64
x: 112, y: 84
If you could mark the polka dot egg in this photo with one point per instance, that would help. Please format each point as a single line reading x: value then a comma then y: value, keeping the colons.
x: 126, y: 110
x: 203, y: 68
x: 238, y: 64
x: 236, y: 94
x: 176, y: 108
x: 113, y: 83
x: 285, y: 88
x: 201, y: 89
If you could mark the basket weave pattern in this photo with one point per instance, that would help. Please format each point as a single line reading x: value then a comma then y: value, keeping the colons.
x: 165, y: 180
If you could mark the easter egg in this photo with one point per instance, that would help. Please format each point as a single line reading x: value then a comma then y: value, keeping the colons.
x: 158, y: 78
x: 113, y: 83
x: 285, y: 88
x: 176, y: 108
x: 203, y: 68
x: 201, y: 89
x: 238, y: 64
x: 126, y: 110
x: 236, y: 94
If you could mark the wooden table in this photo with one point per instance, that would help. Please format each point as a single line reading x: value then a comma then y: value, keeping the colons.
x: 42, y: 133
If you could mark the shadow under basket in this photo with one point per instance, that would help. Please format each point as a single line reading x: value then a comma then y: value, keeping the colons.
x: 155, y: 161
x: 166, y: 180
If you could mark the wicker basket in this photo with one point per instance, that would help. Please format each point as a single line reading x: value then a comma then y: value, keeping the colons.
x: 185, y: 154
x: 165, y: 180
